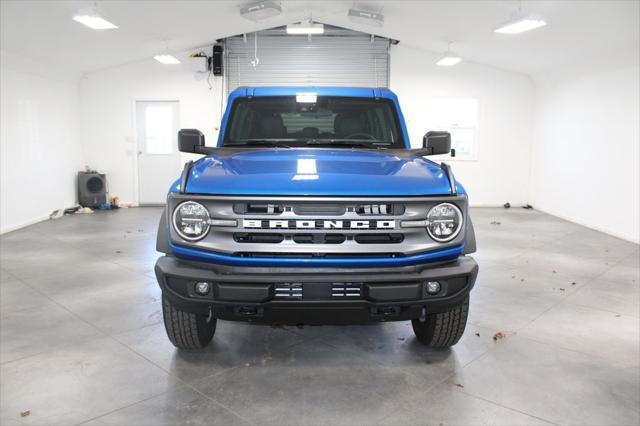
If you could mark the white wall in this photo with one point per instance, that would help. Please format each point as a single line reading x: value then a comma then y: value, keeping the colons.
x: 586, y: 150
x: 505, y: 120
x: 506, y: 105
x: 40, y: 148
x: 108, y: 114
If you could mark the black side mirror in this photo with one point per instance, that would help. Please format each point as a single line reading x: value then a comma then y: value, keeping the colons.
x: 191, y: 141
x: 437, y: 143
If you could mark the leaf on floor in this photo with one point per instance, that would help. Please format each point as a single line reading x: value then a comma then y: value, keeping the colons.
x: 499, y: 336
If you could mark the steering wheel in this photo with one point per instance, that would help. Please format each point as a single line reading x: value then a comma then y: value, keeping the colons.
x: 360, y: 135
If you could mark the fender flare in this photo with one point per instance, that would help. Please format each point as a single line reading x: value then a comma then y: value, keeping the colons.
x: 162, y: 242
x: 470, y: 238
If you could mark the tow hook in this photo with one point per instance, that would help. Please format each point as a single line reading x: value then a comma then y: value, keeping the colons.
x: 423, y: 314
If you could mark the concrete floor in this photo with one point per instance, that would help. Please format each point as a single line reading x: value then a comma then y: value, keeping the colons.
x: 82, y: 339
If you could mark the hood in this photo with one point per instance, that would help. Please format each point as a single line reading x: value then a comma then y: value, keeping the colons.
x: 316, y: 172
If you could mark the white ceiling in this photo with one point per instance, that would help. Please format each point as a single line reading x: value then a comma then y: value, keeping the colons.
x: 579, y: 33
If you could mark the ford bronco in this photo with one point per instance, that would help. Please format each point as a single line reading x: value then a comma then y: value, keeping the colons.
x: 314, y: 209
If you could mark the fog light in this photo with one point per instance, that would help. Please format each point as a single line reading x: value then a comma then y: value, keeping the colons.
x: 433, y: 287
x: 202, y: 288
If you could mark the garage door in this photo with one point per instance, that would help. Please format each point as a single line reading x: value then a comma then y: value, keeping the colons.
x: 339, y: 57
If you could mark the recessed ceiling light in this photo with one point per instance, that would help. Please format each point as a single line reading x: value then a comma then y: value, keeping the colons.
x: 366, y: 17
x: 307, y: 27
x: 166, y: 59
x: 94, y: 21
x: 448, y: 60
x: 261, y: 10
x: 520, y: 25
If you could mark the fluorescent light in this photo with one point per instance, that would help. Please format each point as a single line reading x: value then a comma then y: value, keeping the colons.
x: 306, y: 98
x: 520, y: 25
x: 95, y: 22
x: 448, y: 60
x: 166, y: 59
x: 261, y: 10
x: 305, y: 28
x: 366, y: 17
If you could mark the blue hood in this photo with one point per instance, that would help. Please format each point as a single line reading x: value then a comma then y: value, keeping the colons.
x: 316, y: 172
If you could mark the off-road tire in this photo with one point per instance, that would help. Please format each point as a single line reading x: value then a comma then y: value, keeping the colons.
x: 187, y: 330
x: 442, y: 329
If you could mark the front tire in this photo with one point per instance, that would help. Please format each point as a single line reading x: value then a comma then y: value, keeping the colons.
x: 187, y: 330
x: 442, y: 329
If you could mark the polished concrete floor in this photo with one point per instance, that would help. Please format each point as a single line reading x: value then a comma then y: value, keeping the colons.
x: 82, y: 339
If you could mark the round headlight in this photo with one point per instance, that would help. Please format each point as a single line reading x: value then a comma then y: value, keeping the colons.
x: 191, y: 220
x: 444, y: 222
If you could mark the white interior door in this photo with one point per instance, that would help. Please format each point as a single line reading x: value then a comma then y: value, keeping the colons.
x: 158, y: 157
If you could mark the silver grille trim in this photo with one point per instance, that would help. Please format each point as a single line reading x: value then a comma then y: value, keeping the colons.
x: 413, y: 240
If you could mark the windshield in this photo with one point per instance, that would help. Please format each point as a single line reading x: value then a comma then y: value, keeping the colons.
x: 307, y: 119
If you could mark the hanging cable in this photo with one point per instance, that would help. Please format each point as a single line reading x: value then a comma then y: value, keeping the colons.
x: 255, y: 61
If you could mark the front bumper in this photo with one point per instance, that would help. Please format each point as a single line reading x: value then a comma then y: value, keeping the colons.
x: 315, y: 296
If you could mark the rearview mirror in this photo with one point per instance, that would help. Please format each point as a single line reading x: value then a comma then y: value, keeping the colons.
x: 437, y: 143
x: 191, y: 141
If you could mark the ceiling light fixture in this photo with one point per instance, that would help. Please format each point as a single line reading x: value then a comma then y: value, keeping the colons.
x: 92, y: 19
x: 449, y: 59
x: 366, y: 17
x: 261, y: 10
x: 520, y: 25
x: 307, y: 27
x: 166, y: 59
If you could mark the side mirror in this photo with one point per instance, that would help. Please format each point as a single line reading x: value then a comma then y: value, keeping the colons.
x: 191, y: 141
x: 437, y: 143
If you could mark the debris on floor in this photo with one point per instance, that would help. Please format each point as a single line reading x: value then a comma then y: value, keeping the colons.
x: 527, y: 207
x: 478, y: 334
x: 499, y: 336
x: 561, y: 289
x: 459, y: 385
x: 507, y: 205
x: 57, y: 213
x: 72, y: 210
x: 25, y: 413
x: 495, y: 222
x: 400, y: 338
x: 573, y: 283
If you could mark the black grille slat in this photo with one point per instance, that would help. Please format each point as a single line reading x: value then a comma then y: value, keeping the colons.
x: 260, y: 238
x: 319, y: 210
x: 379, y: 238
x: 319, y: 238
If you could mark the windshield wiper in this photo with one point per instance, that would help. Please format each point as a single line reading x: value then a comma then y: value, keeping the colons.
x: 258, y: 142
x: 363, y: 143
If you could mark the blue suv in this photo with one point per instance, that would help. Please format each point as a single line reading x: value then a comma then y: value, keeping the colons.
x: 313, y: 209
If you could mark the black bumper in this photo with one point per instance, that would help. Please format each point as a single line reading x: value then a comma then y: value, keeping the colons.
x: 315, y: 296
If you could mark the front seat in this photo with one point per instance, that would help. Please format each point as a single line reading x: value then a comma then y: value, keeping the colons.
x: 347, y: 124
x: 271, y: 127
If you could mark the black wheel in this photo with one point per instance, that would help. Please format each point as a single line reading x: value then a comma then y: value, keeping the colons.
x: 187, y: 330
x: 443, y: 329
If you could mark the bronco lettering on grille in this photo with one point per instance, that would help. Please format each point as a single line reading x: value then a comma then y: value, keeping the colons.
x: 318, y: 224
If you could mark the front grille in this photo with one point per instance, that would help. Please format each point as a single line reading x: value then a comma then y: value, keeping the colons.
x: 316, y: 227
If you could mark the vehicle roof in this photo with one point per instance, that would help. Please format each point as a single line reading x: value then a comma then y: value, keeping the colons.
x: 353, y: 92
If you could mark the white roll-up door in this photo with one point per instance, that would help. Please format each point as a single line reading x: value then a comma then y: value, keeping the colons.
x: 339, y: 57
